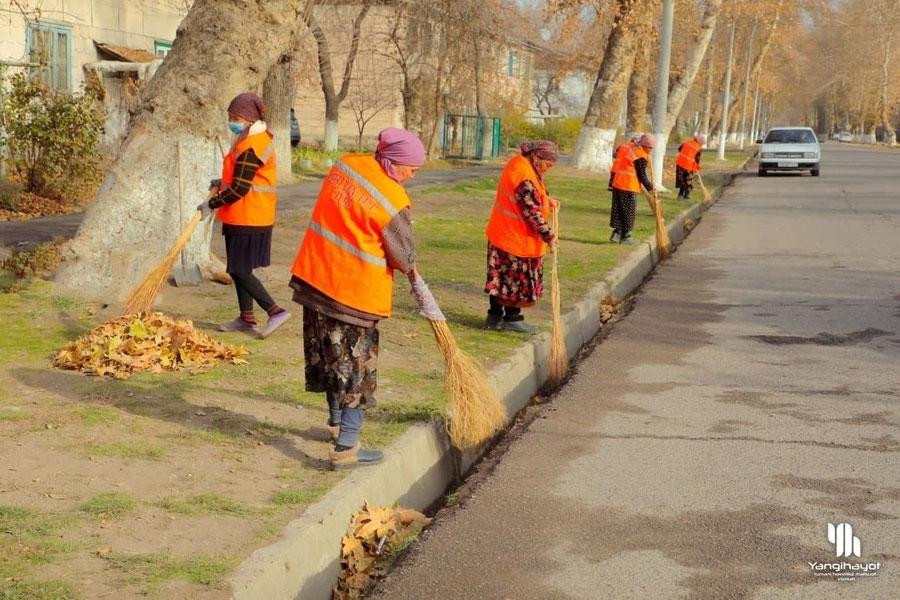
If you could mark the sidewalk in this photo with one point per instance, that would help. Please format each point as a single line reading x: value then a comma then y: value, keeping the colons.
x: 292, y: 200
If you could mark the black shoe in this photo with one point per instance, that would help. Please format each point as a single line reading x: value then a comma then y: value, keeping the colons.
x: 629, y: 241
x: 493, y: 322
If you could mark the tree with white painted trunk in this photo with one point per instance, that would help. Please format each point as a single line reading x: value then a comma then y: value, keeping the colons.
x: 593, y: 150
x: 223, y: 48
x: 334, y: 98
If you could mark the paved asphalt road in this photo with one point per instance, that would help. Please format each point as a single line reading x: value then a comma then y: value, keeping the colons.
x: 748, y: 399
x: 291, y: 199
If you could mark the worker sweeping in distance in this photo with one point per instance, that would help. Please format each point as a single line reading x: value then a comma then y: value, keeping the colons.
x: 360, y: 231
x: 688, y: 163
x: 245, y: 204
x: 630, y: 174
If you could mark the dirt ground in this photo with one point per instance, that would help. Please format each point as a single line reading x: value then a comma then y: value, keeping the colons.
x: 160, y: 485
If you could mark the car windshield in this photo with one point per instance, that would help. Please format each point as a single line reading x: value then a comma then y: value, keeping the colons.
x: 790, y: 136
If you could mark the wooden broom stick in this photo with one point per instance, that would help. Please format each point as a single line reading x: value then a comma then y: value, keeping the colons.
x: 707, y: 197
x: 558, y: 362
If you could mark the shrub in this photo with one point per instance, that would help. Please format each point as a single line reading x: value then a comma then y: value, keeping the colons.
x: 9, y: 194
x: 515, y: 128
x: 43, y: 260
x: 52, y: 138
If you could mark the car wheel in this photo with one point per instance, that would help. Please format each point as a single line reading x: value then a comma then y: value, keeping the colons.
x: 814, y: 172
x: 762, y: 172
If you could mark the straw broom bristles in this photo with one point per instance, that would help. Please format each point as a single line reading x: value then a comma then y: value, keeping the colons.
x: 707, y: 197
x: 558, y: 360
x: 475, y: 414
x: 142, y: 297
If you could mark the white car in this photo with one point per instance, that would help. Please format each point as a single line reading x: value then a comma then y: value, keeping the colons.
x: 844, y: 136
x: 789, y: 149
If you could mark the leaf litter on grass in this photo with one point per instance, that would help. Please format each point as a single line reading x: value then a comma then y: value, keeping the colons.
x: 154, y: 342
x: 375, y: 535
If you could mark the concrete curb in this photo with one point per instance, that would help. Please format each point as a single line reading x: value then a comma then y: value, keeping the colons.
x: 420, y: 465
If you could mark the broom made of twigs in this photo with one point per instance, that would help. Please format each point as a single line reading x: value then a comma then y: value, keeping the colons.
x: 707, y: 197
x: 475, y: 414
x: 558, y: 360
x: 662, y: 236
x: 142, y: 297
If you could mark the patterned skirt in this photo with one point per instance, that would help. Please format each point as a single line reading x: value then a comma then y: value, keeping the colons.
x: 621, y: 215
x: 340, y: 358
x: 684, y: 180
x: 514, y: 280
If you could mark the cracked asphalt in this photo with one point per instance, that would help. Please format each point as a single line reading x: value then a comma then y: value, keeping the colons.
x: 700, y: 450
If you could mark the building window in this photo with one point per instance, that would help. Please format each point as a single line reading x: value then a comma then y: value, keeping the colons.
x: 161, y: 49
x: 511, y: 63
x: 50, y: 46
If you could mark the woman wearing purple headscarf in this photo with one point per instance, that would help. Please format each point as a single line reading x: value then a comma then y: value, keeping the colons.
x: 360, y: 232
x: 518, y: 234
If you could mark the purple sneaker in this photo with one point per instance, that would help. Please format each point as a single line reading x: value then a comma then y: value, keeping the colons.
x: 274, y: 322
x: 239, y: 325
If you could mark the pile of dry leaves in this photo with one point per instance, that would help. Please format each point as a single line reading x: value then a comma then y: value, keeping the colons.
x: 154, y: 343
x: 376, y: 534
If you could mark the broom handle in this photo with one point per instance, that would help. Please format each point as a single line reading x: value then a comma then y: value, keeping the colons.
x: 221, y: 147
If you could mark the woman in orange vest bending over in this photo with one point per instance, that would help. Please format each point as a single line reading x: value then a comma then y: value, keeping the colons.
x: 246, y: 207
x: 518, y: 234
x: 359, y: 232
x: 630, y: 173
x: 688, y: 163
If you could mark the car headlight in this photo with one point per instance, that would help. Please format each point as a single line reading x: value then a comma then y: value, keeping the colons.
x: 810, y: 155
x: 768, y: 155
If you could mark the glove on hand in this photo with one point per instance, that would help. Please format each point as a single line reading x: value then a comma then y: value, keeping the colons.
x: 204, y: 209
x: 428, y: 307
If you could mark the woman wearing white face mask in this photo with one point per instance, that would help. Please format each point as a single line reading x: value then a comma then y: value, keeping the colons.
x: 246, y: 207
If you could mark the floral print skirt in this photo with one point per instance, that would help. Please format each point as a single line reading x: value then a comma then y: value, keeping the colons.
x: 514, y: 280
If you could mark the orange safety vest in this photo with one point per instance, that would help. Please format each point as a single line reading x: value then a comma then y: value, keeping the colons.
x: 620, y: 153
x: 507, y: 228
x: 626, y: 178
x: 342, y: 254
x: 258, y: 206
x: 687, y: 159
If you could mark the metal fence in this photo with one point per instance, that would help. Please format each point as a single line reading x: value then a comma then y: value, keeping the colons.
x: 471, y: 137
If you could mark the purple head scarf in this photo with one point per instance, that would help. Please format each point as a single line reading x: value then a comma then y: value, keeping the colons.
x: 544, y: 149
x: 248, y: 106
x: 398, y: 147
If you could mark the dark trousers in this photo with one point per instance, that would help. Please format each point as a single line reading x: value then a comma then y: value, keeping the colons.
x: 249, y: 288
x: 513, y: 313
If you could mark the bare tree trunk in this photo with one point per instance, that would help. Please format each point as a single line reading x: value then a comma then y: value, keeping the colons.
x: 223, y: 48
x: 707, y: 100
x: 638, y: 85
x: 889, y: 133
x: 278, y: 94
x: 333, y: 99
x: 593, y: 150
x: 682, y: 85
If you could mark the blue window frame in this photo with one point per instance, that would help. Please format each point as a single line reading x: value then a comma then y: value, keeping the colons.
x: 511, y: 63
x: 50, y: 46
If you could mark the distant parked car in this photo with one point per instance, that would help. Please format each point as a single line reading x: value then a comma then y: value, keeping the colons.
x: 295, y: 130
x: 844, y: 136
x: 789, y: 149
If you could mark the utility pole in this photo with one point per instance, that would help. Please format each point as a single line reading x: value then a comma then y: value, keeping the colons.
x: 727, y: 100
x: 746, y: 88
x: 662, y: 94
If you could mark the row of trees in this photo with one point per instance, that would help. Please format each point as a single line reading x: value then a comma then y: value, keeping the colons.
x: 813, y: 61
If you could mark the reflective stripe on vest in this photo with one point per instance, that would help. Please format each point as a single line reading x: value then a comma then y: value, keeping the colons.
x: 687, y: 157
x: 507, y: 228
x: 257, y: 207
x: 342, y: 254
x: 626, y: 178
